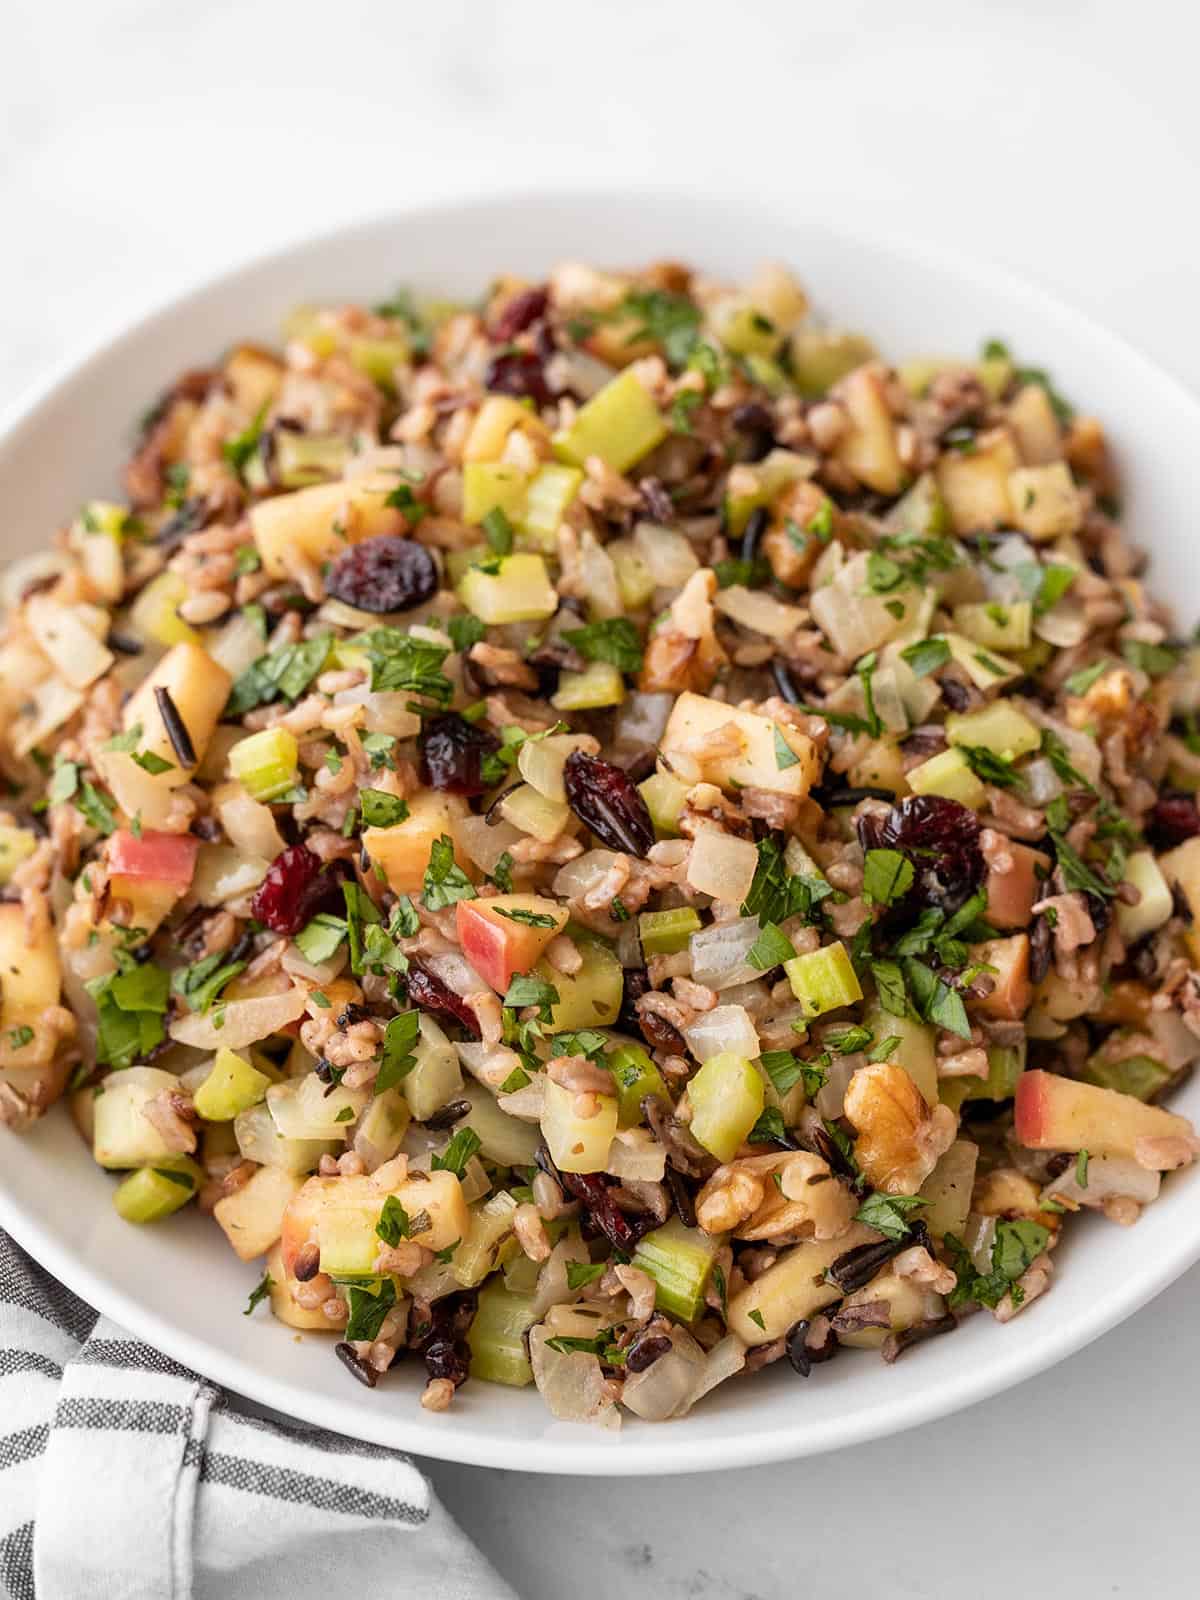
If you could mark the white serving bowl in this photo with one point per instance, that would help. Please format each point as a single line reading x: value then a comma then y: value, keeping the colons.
x: 177, y: 1285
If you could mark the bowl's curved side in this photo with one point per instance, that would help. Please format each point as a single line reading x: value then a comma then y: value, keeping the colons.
x: 178, y: 1287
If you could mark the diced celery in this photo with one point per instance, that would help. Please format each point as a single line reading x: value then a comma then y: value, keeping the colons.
x: 497, y: 1335
x: 665, y: 933
x: 635, y: 1076
x: 1143, y: 1077
x: 745, y: 330
x: 680, y: 1260
x: 590, y: 998
x: 948, y: 774
x: 436, y: 1076
x: 1154, y: 906
x: 664, y: 797
x: 307, y: 325
x: 1006, y: 1063
x: 578, y: 1143
x: 985, y: 669
x: 599, y: 684
x: 771, y: 476
x: 533, y: 813
x: 634, y: 578
x: 920, y: 510
x: 491, y: 1228
x: 460, y: 562
x: 302, y: 459
x: 155, y: 1192
x: 997, y: 627
x: 521, y: 1274
x: 104, y: 516
x: 915, y: 1048
x: 551, y: 490
x: 1000, y: 728
x: 382, y: 1126
x: 379, y: 357
x: 488, y: 485
x: 155, y: 612
x: 265, y: 763
x: 768, y: 374
x: 16, y: 845
x: 621, y: 424
x: 232, y: 1086
x: 727, y: 1099
x: 824, y: 979
x: 820, y: 357
x: 520, y: 591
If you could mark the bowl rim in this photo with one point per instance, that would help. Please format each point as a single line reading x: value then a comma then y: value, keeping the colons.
x: 658, y: 1450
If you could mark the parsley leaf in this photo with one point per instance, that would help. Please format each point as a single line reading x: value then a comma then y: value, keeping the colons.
x: 526, y: 990
x: 93, y: 804
x: 319, y: 940
x: 777, y: 894
x: 581, y: 1273
x: 287, y: 671
x: 202, y: 982
x: 393, y: 1224
x: 400, y: 662
x: 530, y: 919
x: 380, y: 809
x: 445, y: 881
x: 465, y: 1144
x: 501, y: 873
x: 888, y: 1213
x: 498, y: 531
x: 465, y: 631
x: 769, y: 1128
x: 926, y: 656
x: 887, y: 877
x: 368, y: 1309
x: 615, y: 640
x: 259, y: 1293
x: 770, y: 949
x: 238, y: 450
x: 401, y: 1034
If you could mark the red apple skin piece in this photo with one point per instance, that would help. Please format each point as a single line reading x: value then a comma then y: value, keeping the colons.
x: 1010, y: 894
x: 1010, y: 998
x: 498, y: 947
x: 1053, y: 1113
x: 161, y: 857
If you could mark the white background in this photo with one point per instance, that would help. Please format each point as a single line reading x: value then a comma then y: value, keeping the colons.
x: 144, y: 145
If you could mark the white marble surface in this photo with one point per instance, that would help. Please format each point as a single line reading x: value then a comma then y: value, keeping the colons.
x: 143, y: 145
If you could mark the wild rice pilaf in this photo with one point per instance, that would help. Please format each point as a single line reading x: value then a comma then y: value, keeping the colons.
x: 610, y: 835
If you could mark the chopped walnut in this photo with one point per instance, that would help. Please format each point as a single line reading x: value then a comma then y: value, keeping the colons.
x: 899, y: 1137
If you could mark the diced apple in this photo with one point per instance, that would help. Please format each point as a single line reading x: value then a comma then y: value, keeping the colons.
x: 578, y: 1142
x: 315, y: 524
x: 695, y: 719
x: 30, y: 979
x: 948, y: 1188
x: 198, y: 688
x: 1031, y: 418
x: 122, y: 1136
x: 166, y: 858
x: 589, y: 998
x: 402, y: 851
x: 340, y: 1215
x: 436, y: 1077
x: 1045, y: 502
x: 1055, y: 1113
x: 1011, y: 892
x: 1011, y: 996
x: 975, y: 486
x: 868, y: 447
x: 251, y: 1218
x: 507, y: 933
x: 1155, y: 906
x: 285, y: 1306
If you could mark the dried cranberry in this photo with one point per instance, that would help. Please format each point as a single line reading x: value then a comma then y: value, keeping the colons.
x: 443, y: 1341
x: 520, y: 373
x: 621, y: 1230
x: 939, y: 837
x: 296, y: 887
x: 452, y: 754
x: 1173, y: 819
x: 387, y: 573
x: 604, y: 799
x: 427, y: 990
x: 521, y: 312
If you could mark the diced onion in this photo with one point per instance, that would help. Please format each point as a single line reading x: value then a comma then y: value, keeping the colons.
x: 386, y: 710
x: 1042, y: 783
x: 758, y: 611
x: 725, y: 1028
x: 721, y: 865
x: 223, y: 873
x: 579, y: 875
x: 635, y: 1154
x: 249, y: 825
x: 485, y: 845
x: 64, y: 637
x: 236, y: 1023
x: 571, y: 1385
x: 1064, y: 625
x: 552, y: 1288
x: 719, y: 953
x: 668, y: 555
x: 457, y: 973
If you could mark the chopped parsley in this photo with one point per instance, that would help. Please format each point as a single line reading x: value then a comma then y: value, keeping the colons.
x: 777, y: 894
x: 287, y: 671
x: 445, y: 881
x: 530, y: 919
x: 259, y: 1293
x: 501, y: 873
x: 526, y: 990
x: 581, y: 1273
x: 201, y: 983
x: 394, y: 1223
x: 465, y: 1144
x: 615, y: 640
x: 887, y: 877
x: 498, y: 531
x: 888, y: 1214
x: 368, y: 1309
x: 770, y: 949
x: 769, y: 1129
x: 320, y: 939
x: 401, y: 662
x: 465, y: 631
x: 380, y: 809
x: 399, y: 1037
x: 130, y: 1006
x: 1016, y: 1246
x: 95, y: 807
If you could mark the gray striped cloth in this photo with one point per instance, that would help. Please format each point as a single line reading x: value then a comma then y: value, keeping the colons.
x: 124, y: 1476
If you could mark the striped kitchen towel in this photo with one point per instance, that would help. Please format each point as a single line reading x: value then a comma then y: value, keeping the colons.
x: 123, y: 1476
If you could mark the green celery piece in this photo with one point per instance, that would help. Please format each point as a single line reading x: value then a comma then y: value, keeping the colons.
x: 1140, y: 1076
x: 666, y: 933
x: 636, y: 1076
x: 621, y: 424
x: 155, y: 1192
x: 679, y: 1260
x: 497, y: 1336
